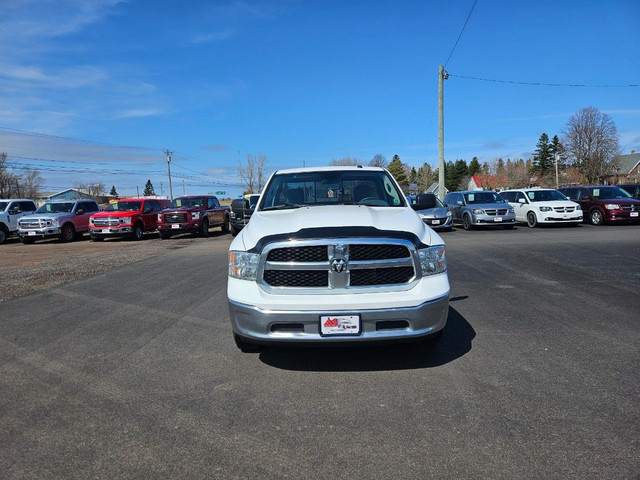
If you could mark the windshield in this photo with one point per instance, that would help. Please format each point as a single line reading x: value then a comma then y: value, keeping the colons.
x: 187, y: 202
x: 56, y: 208
x: 3, y: 206
x: 123, y: 207
x: 483, y: 197
x: 609, y: 192
x: 545, y: 195
x: 331, y: 187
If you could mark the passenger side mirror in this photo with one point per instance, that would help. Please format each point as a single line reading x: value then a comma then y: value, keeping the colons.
x: 14, y: 210
x: 522, y: 200
x: 80, y: 211
x: 147, y: 210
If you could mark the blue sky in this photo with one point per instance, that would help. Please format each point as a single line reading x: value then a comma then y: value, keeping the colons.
x: 95, y: 90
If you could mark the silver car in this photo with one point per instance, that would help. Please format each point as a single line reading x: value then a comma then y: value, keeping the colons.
x: 479, y: 208
x: 432, y: 211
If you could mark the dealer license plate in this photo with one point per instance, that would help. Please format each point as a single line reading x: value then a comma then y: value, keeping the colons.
x: 340, y: 325
x: 175, y: 225
x: 31, y: 233
x: 634, y: 214
x: 497, y: 219
x: 105, y: 230
x: 435, y: 222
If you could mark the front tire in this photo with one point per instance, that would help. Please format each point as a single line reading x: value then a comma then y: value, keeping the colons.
x: 466, y: 222
x: 67, y: 234
x: 3, y: 235
x: 137, y: 232
x: 204, y: 228
x: 596, y: 217
x: 225, y: 225
x: 532, y: 220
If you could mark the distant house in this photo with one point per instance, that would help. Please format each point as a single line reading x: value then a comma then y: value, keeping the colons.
x: 627, y: 169
x: 488, y: 182
x: 435, y: 189
x: 68, y: 194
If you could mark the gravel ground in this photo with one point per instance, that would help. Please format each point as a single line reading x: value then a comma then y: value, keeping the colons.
x: 25, y: 269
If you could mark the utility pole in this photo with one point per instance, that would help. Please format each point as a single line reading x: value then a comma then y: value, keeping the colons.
x: 168, y: 153
x: 442, y: 76
x: 557, y: 157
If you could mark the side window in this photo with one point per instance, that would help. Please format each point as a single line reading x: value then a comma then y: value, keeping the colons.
x: 155, y: 205
x: 210, y: 203
x: 509, y: 196
x: 571, y: 193
x: 27, y: 206
x: 519, y: 196
x: 459, y: 198
x: 216, y: 204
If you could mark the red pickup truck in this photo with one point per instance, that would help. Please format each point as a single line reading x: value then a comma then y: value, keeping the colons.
x: 195, y: 214
x: 127, y: 217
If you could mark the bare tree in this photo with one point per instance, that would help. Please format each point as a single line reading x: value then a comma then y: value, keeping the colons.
x: 95, y: 189
x: 591, y: 141
x: 378, y: 161
x: 253, y: 175
x: 345, y: 162
x: 25, y: 182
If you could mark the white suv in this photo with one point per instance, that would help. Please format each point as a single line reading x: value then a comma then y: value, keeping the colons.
x: 542, y: 205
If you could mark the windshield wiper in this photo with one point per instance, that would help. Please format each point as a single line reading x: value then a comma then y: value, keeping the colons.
x: 283, y: 207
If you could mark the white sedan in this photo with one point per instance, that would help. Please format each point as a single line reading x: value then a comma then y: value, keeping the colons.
x: 542, y: 205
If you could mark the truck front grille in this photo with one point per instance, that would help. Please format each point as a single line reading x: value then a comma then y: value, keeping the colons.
x: 106, y: 221
x: 339, y: 264
x: 175, y: 218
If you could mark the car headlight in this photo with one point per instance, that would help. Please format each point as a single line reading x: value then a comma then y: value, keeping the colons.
x: 195, y: 215
x: 53, y: 222
x: 477, y: 211
x: 578, y: 208
x: 232, y: 215
x: 612, y: 206
x: 448, y: 213
x: 243, y: 265
x: 125, y: 221
x: 510, y: 210
x: 433, y: 260
x: 160, y: 217
x: 545, y: 209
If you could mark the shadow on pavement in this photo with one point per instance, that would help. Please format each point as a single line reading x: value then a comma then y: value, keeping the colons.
x: 454, y: 343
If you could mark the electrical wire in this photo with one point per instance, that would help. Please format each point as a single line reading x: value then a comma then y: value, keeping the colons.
x: 541, y: 84
x: 461, y: 32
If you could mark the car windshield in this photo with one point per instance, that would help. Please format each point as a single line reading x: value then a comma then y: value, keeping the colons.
x: 3, y: 206
x: 187, y: 202
x: 123, y: 207
x: 331, y: 187
x: 545, y: 195
x: 482, y: 197
x: 56, y: 208
x: 609, y: 192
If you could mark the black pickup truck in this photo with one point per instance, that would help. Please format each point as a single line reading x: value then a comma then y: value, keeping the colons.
x: 241, y: 210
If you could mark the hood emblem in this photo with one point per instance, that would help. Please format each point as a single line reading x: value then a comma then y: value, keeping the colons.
x: 338, y: 264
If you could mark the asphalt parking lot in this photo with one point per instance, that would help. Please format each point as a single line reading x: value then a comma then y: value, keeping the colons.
x: 131, y: 372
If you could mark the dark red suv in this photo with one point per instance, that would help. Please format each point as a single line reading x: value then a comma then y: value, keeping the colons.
x: 605, y: 203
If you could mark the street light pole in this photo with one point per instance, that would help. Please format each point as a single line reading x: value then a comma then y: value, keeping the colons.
x: 442, y: 76
x: 168, y: 153
x: 557, y: 157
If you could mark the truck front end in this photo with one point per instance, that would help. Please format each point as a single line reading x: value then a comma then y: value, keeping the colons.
x: 335, y: 255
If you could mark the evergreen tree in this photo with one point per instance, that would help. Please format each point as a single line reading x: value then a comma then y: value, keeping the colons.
x: 396, y: 168
x: 555, y: 147
x: 113, y: 192
x: 543, y: 157
x: 148, y: 189
x: 474, y: 167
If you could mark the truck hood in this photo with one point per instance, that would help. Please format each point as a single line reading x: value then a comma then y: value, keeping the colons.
x: 116, y: 214
x: 46, y: 215
x: 282, y: 222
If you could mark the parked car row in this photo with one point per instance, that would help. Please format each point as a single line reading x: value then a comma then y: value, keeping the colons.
x: 131, y: 217
x: 533, y: 206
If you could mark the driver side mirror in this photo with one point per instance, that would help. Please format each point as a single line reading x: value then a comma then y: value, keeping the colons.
x: 522, y: 200
x: 80, y: 211
x: 15, y: 210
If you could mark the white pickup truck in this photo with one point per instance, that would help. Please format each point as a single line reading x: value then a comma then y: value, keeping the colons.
x: 11, y: 210
x: 334, y: 255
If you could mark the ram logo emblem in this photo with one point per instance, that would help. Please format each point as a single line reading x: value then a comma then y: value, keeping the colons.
x: 338, y: 264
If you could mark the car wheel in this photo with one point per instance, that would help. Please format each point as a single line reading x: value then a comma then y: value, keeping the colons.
x: 596, y: 217
x: 466, y: 222
x: 225, y: 225
x: 137, y: 231
x: 164, y: 235
x: 3, y: 235
x: 532, y: 220
x: 67, y: 234
x: 204, y: 228
x: 244, y: 346
x: 234, y: 230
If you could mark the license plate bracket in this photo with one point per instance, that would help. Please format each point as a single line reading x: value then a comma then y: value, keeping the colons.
x: 340, y: 325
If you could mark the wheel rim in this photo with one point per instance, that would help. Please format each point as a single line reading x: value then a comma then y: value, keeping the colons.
x: 138, y: 232
x: 466, y: 223
x: 67, y: 234
x: 596, y: 217
x: 3, y: 236
x: 531, y: 219
x: 205, y: 228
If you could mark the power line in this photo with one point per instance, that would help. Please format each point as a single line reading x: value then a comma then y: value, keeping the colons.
x: 541, y: 84
x: 461, y: 32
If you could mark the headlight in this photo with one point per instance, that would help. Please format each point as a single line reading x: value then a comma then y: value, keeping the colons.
x: 510, y: 210
x: 160, y: 217
x: 421, y: 215
x: 612, y: 206
x: 578, y: 208
x: 232, y: 215
x: 432, y: 260
x: 195, y: 215
x: 53, y: 222
x: 477, y: 211
x: 545, y: 209
x: 243, y: 265
x: 448, y: 213
x: 125, y: 221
